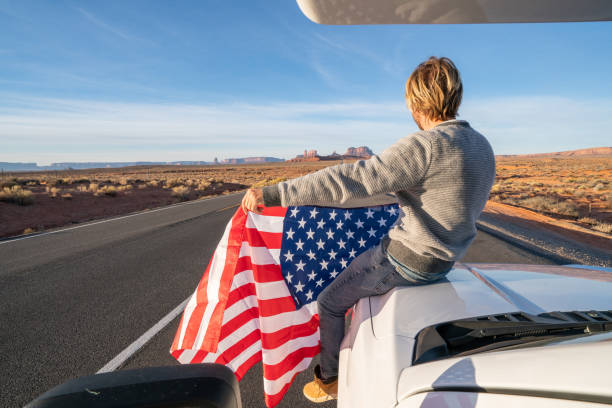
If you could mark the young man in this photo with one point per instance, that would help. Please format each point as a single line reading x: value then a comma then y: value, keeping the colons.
x: 441, y: 177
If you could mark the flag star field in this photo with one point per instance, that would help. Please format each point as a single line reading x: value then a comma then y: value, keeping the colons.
x: 319, y: 243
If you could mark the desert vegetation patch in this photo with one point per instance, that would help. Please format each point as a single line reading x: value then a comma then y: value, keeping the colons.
x: 36, y: 201
x: 577, y: 189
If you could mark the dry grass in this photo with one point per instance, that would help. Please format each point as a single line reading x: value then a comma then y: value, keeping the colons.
x: 603, y: 227
x: 573, y: 188
x: 181, y: 192
x: 16, y: 195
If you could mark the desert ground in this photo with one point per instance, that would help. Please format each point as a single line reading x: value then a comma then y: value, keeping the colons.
x: 573, y: 192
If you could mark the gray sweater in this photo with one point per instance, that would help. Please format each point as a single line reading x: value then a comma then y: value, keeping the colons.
x: 441, y: 178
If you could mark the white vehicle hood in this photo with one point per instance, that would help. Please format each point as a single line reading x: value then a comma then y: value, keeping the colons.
x: 471, y: 290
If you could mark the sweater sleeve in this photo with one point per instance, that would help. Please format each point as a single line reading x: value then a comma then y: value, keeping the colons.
x: 398, y: 168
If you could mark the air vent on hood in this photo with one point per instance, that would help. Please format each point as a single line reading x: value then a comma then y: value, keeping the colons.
x: 483, y: 333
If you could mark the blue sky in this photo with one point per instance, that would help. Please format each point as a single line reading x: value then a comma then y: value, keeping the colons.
x: 194, y: 80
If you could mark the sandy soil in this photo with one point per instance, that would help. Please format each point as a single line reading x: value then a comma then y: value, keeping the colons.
x: 532, y: 220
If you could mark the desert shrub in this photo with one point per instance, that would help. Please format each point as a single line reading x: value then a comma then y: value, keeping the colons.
x: 67, y: 196
x: 142, y: 186
x: 173, y: 183
x: 16, y: 195
x: 93, y: 187
x: 496, y: 188
x: 28, y: 231
x: 125, y: 187
x: 181, y: 192
x: 82, y: 189
x: 203, y: 185
x: 567, y: 208
x: 579, y: 193
x: 268, y: 182
x: 124, y: 181
x: 53, y: 191
x: 599, y: 187
x: 603, y: 227
x: 153, y: 183
x: 110, y: 191
x: 587, y: 220
x: 539, y: 203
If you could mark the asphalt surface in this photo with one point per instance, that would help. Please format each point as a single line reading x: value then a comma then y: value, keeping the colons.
x: 72, y: 300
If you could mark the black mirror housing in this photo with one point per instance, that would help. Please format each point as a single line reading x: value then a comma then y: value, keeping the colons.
x: 193, y: 385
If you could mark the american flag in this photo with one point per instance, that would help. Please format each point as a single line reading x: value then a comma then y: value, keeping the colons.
x: 257, y: 298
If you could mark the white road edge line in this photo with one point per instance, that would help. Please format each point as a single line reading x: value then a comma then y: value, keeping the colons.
x: 133, y: 348
x: 115, y: 219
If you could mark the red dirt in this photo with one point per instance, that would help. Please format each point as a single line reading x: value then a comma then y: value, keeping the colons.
x: 533, y: 220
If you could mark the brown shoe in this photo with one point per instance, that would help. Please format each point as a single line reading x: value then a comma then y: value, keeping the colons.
x: 319, y: 391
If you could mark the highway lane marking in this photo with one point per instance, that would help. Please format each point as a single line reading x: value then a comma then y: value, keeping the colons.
x: 133, y: 348
x: 119, y: 218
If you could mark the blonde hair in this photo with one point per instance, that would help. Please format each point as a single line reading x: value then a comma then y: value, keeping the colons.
x: 435, y: 89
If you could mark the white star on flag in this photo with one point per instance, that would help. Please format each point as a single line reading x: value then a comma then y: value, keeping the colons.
x: 320, y: 244
x: 349, y: 234
x: 339, y: 225
x: 332, y: 254
x: 302, y: 222
x: 372, y: 232
x: 310, y: 234
x: 320, y: 282
x: 382, y: 222
x: 347, y: 215
x: 294, y: 212
x: 332, y: 215
x: 312, y: 275
x: 299, y: 245
x: 343, y: 263
x: 321, y: 224
x: 359, y: 224
x: 313, y: 213
x: 369, y: 213
x: 299, y: 287
x: 330, y: 234
x: 311, y: 255
x: 288, y: 256
x: 300, y: 265
x: 323, y: 264
x: 361, y: 242
x: 309, y: 294
x: 290, y: 233
x: 341, y: 244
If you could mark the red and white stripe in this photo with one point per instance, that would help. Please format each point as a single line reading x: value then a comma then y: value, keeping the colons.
x: 242, y: 311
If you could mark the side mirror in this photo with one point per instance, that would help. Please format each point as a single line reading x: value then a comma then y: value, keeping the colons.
x: 194, y: 385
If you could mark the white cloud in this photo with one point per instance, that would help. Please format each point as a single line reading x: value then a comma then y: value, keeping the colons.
x: 52, y: 130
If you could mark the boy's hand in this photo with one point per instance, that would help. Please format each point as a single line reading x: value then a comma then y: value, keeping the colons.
x: 252, y: 200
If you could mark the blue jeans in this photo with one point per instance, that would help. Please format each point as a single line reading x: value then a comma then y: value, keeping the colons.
x: 370, y: 274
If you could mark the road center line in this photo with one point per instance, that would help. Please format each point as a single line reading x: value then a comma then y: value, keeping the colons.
x: 133, y: 348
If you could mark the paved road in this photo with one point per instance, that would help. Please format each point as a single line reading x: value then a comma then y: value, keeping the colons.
x: 72, y: 300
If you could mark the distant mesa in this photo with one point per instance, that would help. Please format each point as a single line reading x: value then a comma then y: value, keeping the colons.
x: 592, y: 151
x: 251, y: 160
x: 6, y: 166
x: 362, y: 152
